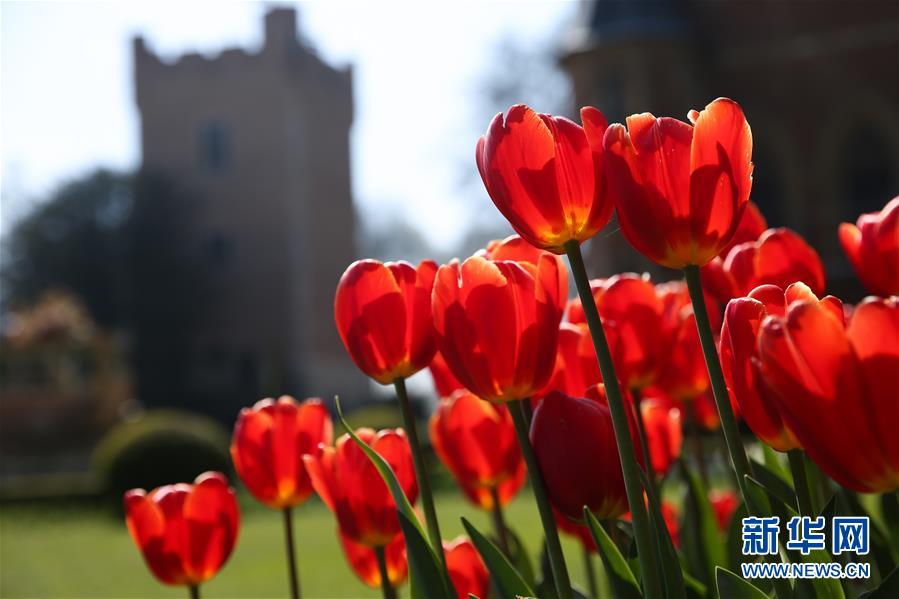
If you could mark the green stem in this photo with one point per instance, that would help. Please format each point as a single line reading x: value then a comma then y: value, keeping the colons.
x: 193, y: 591
x: 644, y: 436
x: 719, y: 388
x: 801, y: 483
x: 387, y: 589
x: 591, y: 574
x: 630, y: 469
x: 291, y: 555
x: 696, y: 439
x: 421, y: 473
x: 499, y: 522
x: 553, y: 546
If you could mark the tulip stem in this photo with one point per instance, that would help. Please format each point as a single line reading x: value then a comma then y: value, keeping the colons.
x: 630, y: 469
x: 193, y: 591
x: 644, y: 437
x: 386, y: 588
x: 696, y: 438
x: 716, y: 376
x: 591, y: 574
x: 421, y: 473
x: 499, y: 522
x: 801, y: 483
x: 553, y: 546
x: 291, y: 554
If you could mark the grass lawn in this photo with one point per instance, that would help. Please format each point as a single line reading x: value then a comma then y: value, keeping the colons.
x: 83, y: 553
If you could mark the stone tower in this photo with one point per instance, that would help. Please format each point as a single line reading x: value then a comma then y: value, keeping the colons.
x: 261, y: 140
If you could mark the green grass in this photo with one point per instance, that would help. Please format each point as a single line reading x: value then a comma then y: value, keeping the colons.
x: 80, y: 552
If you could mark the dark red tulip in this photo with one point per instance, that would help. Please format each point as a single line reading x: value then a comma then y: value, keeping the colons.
x: 834, y: 389
x: 664, y: 434
x: 779, y: 257
x: 185, y: 532
x: 364, y: 563
x: 681, y: 190
x: 546, y: 175
x: 351, y: 487
x: 516, y: 249
x: 466, y: 569
x: 573, y: 436
x: 576, y: 366
x: 724, y: 503
x: 476, y: 441
x: 444, y: 382
x: 739, y: 361
x: 268, y: 446
x: 872, y: 245
x: 497, y: 324
x: 383, y: 314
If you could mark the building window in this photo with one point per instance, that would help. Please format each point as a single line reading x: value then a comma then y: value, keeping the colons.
x: 215, y: 146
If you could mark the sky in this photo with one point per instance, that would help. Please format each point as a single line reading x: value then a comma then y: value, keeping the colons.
x: 67, y: 105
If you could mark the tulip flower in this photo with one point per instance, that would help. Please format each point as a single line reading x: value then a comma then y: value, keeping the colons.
x: 475, y: 440
x: 740, y: 361
x: 663, y: 433
x: 369, y: 563
x: 724, y: 503
x: 779, y: 257
x: 267, y: 448
x: 497, y: 324
x: 671, y: 517
x: 351, y: 487
x: 831, y: 380
x: 444, y: 381
x: 576, y: 368
x: 752, y: 225
x: 571, y: 436
x: 466, y: 569
x: 872, y: 245
x: 186, y: 532
x: 680, y: 190
x: 546, y: 175
x: 383, y: 314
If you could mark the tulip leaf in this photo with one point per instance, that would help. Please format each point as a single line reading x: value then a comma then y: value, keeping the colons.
x: 508, y: 582
x: 428, y: 577
x: 702, y: 545
x: 774, y: 484
x: 732, y: 586
x: 520, y: 558
x: 881, y: 551
x: 669, y: 561
x: 694, y: 588
x: 889, y: 507
x: 888, y: 588
x: 619, y: 573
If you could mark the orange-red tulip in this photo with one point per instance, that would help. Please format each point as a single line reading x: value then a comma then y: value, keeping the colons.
x: 872, y: 245
x: 351, y: 487
x: 185, y: 532
x: 466, y: 569
x: 573, y: 436
x: 364, y: 562
x: 476, y: 441
x: 268, y: 446
x: 664, y: 434
x: 739, y: 360
x: 779, y: 257
x: 680, y: 190
x: 835, y: 388
x: 444, y: 381
x: 383, y: 314
x: 576, y: 366
x: 752, y: 225
x: 724, y: 503
x: 516, y: 249
x: 497, y: 324
x: 546, y: 175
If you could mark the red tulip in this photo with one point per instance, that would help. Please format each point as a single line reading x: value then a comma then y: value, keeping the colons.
x: 724, y: 503
x: 364, y: 563
x: 476, y: 441
x: 466, y: 569
x: 351, y: 487
x: 444, y: 382
x: 577, y: 530
x: 779, y: 257
x: 718, y: 283
x: 834, y: 386
x: 680, y: 190
x: 752, y: 225
x: 269, y: 442
x: 663, y: 433
x: 516, y: 249
x: 383, y: 314
x: 546, y: 175
x: 872, y: 245
x: 185, y: 531
x: 739, y: 360
x: 573, y: 436
x: 684, y: 375
x: 497, y: 324
x: 576, y: 366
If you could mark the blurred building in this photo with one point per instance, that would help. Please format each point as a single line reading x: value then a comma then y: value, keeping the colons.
x: 262, y: 140
x: 819, y: 82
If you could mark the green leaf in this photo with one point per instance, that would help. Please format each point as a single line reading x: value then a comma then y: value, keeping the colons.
x: 888, y: 589
x: 732, y: 586
x: 773, y: 461
x: 622, y: 580
x: 734, y: 539
x: 520, y: 558
x: 508, y: 581
x: 881, y: 553
x: 702, y: 544
x: 672, y: 574
x: 775, y: 484
x: 694, y: 588
x: 889, y: 507
x: 428, y: 577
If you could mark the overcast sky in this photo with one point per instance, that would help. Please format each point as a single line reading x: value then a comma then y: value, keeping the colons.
x: 66, y: 99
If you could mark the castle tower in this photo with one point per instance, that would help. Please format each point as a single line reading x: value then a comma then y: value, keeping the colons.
x: 262, y: 141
